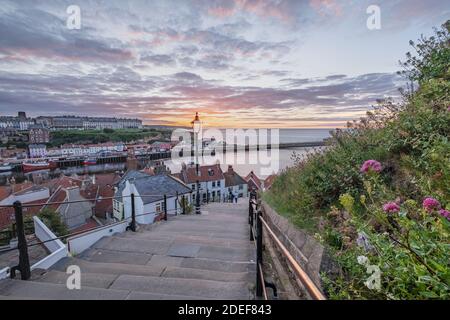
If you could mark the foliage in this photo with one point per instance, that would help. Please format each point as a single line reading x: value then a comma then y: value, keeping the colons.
x: 377, y: 216
x: 99, y: 136
x: 52, y: 220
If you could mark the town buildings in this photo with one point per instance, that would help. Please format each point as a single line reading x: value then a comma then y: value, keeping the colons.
x: 211, y: 181
x: 235, y: 185
x: 22, y: 123
x: 37, y: 150
x: 254, y: 183
x: 38, y: 134
x: 88, y: 149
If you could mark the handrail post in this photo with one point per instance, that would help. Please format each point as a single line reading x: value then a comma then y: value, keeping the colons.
x: 184, y: 204
x: 259, y: 243
x: 176, y: 204
x: 133, y: 214
x: 165, y: 208
x: 24, y: 261
x: 250, y: 219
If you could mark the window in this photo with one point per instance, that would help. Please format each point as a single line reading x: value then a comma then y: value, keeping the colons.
x: 193, y: 187
x: 159, y: 207
x: 218, y: 183
x: 214, y: 184
x: 213, y: 194
x: 241, y: 186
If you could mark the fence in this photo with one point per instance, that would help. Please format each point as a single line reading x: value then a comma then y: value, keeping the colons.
x: 20, y: 228
x: 257, y: 226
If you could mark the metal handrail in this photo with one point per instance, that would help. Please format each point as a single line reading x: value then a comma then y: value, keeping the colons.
x: 312, y: 289
x: 255, y: 218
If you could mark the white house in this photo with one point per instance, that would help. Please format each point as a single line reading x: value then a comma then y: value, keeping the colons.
x: 210, y: 178
x: 149, y: 194
x: 37, y: 150
x: 235, y: 184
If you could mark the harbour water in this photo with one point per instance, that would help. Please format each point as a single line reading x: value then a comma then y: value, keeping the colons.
x: 263, y: 162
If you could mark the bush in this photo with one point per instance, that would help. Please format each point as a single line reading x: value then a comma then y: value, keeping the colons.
x: 52, y: 220
x: 374, y: 220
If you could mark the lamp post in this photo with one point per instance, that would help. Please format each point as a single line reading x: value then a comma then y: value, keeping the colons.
x: 196, y: 128
x: 197, y: 199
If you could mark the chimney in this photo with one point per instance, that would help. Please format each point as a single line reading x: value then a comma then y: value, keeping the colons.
x: 230, y: 169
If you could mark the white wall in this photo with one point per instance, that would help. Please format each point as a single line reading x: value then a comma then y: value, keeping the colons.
x: 77, y: 244
x: 57, y: 247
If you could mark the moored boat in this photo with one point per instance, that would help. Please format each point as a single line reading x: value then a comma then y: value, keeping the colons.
x: 38, y: 165
x: 6, y: 167
x: 90, y: 162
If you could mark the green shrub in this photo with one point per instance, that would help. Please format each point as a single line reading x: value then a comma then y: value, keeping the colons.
x: 407, y: 243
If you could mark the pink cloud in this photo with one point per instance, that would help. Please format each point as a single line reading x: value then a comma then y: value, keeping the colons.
x: 326, y: 7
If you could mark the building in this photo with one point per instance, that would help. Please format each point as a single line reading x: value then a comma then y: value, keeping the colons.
x: 37, y: 150
x: 234, y: 184
x: 90, y: 149
x: 21, y: 122
x: 253, y: 182
x: 211, y: 181
x: 38, y: 134
x: 149, y: 194
x: 160, y: 146
x: 268, y: 182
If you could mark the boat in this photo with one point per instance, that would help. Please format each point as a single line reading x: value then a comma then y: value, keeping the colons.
x: 38, y: 165
x: 6, y: 167
x: 90, y: 162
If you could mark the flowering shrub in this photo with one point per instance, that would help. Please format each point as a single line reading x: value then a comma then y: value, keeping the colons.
x: 391, y: 207
x: 370, y: 165
x: 392, y: 212
x: 445, y: 213
x: 431, y: 204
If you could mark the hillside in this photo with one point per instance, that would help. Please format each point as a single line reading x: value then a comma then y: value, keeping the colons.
x: 379, y: 196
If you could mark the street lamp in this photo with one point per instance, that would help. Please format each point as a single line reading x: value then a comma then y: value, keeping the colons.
x: 197, y: 199
x: 196, y: 128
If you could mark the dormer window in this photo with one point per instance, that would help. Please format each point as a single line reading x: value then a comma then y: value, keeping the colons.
x: 210, y: 172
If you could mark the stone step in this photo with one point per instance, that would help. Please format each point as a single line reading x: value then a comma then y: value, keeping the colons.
x: 93, y: 280
x: 109, y: 268
x: 203, y: 264
x: 203, y: 239
x: 186, y: 287
x: 164, y: 266
x: 53, y: 291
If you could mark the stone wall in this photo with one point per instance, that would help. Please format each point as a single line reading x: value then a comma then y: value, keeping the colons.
x: 305, y: 249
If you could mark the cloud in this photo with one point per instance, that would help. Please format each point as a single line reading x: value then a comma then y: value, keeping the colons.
x: 32, y: 33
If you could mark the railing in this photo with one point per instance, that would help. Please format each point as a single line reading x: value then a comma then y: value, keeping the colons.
x: 256, y: 220
x: 20, y: 228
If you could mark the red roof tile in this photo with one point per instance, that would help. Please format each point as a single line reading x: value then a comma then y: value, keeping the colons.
x: 207, y: 173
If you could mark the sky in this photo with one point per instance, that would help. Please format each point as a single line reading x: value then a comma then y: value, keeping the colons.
x: 239, y: 63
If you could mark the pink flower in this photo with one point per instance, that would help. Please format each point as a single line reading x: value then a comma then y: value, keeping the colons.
x: 371, y: 165
x: 391, y: 207
x: 431, y: 204
x: 445, y: 214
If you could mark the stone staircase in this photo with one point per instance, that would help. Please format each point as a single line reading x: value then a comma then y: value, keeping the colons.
x: 193, y: 257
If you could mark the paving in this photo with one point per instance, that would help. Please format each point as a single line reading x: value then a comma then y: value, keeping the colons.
x: 194, y: 257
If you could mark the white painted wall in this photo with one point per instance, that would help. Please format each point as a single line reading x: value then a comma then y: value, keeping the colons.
x: 77, y: 244
x: 56, y: 247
